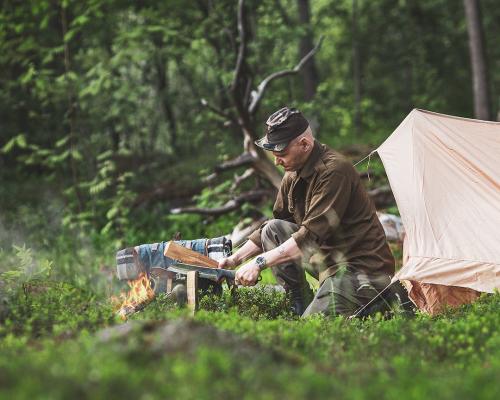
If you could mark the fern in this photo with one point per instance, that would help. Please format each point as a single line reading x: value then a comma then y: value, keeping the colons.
x: 27, y: 269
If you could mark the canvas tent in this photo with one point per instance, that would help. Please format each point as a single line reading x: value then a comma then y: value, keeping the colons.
x: 444, y: 172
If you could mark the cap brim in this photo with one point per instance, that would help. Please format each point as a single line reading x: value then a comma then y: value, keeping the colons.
x: 264, y: 144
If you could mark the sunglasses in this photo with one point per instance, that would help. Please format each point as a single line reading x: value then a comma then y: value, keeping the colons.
x: 280, y: 116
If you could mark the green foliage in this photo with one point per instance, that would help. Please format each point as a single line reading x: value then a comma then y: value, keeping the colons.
x: 162, y: 305
x: 42, y: 307
x: 214, y: 197
x: 256, y: 303
x: 100, y: 101
x: 27, y: 269
x: 111, y: 194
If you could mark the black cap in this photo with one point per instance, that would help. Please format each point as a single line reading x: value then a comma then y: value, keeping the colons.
x: 282, y: 127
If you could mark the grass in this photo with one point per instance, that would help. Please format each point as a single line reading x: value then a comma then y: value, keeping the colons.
x: 62, y: 341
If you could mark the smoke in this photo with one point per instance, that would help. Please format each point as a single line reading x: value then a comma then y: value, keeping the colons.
x: 10, y: 234
x: 33, y: 224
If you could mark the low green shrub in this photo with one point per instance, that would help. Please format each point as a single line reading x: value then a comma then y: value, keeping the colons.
x: 259, y: 302
x: 51, y: 347
x: 307, y: 358
x: 39, y: 308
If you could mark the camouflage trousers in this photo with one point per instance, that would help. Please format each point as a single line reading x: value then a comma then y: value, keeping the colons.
x: 340, y: 294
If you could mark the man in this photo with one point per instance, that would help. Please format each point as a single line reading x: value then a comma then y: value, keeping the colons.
x: 324, y: 221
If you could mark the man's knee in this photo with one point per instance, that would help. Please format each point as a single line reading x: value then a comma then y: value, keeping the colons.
x: 336, y: 296
x: 346, y: 292
x: 277, y: 231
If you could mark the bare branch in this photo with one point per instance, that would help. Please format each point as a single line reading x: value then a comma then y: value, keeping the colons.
x: 218, y: 111
x: 210, y: 178
x: 231, y: 205
x: 382, y: 196
x: 257, y: 95
x: 239, y: 179
x: 243, y: 229
x: 241, y: 160
x: 162, y: 192
x: 245, y: 159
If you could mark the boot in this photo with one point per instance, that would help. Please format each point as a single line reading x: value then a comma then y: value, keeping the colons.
x: 300, y: 297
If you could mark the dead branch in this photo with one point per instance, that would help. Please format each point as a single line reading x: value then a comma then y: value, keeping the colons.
x: 244, y: 105
x: 161, y: 192
x: 218, y: 111
x: 242, y: 160
x: 231, y: 205
x: 382, y: 196
x: 257, y: 95
x: 210, y: 178
x: 239, y: 179
x: 242, y: 230
x: 245, y: 159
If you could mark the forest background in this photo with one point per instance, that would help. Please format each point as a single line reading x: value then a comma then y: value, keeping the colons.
x: 113, y: 112
x: 116, y: 114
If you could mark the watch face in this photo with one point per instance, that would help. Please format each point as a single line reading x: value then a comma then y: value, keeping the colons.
x: 260, y: 261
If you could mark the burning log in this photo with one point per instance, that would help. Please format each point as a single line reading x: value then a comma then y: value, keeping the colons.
x: 139, y: 295
x: 149, y: 274
x: 126, y: 311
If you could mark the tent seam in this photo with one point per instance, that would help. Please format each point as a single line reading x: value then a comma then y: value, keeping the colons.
x: 456, y: 117
x: 424, y: 198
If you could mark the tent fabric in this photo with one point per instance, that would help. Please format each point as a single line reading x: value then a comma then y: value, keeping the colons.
x: 433, y: 298
x: 444, y: 172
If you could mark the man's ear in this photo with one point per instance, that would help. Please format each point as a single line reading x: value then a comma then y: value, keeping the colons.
x: 304, y: 143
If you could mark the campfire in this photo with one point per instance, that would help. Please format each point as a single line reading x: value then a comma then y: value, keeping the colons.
x: 139, y: 295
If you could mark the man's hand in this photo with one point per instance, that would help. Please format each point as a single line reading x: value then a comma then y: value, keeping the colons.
x: 227, y: 263
x: 248, y: 274
x: 247, y: 250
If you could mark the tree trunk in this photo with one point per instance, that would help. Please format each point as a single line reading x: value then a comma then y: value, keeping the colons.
x: 163, y: 91
x: 309, y: 72
x: 262, y: 164
x: 356, y: 69
x: 478, y: 60
x: 71, y: 113
x: 245, y: 102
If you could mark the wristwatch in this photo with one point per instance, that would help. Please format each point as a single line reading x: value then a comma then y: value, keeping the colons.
x: 261, y: 262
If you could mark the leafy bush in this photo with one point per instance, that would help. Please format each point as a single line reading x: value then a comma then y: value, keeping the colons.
x: 259, y: 302
x: 454, y: 356
x: 53, y: 304
x: 44, y: 307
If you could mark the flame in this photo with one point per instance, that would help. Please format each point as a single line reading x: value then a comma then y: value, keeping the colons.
x: 140, y: 294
